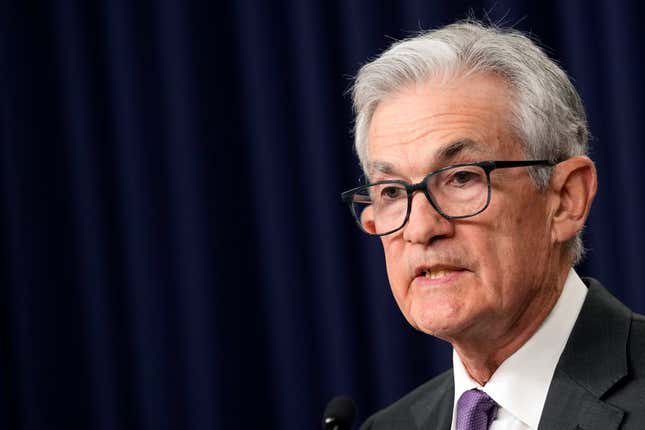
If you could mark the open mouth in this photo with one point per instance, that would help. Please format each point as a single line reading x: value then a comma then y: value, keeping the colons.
x: 438, y: 273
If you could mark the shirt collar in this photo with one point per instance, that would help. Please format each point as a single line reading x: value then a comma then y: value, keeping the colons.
x: 532, y: 366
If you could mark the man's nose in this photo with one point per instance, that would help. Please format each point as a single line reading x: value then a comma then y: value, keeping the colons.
x: 425, y: 223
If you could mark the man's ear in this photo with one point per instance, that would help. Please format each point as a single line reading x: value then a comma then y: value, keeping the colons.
x: 573, y: 186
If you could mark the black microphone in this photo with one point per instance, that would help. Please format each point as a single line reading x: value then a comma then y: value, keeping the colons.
x: 339, y: 414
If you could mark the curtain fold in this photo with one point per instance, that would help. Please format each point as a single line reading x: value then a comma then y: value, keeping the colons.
x: 174, y: 253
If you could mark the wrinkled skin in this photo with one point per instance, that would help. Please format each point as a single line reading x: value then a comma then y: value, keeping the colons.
x: 500, y: 272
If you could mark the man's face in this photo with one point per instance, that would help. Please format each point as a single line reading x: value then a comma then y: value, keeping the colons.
x: 487, y: 273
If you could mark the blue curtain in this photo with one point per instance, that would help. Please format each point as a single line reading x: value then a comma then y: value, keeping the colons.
x: 174, y: 254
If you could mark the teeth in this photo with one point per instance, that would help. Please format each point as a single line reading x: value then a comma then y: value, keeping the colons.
x: 437, y: 274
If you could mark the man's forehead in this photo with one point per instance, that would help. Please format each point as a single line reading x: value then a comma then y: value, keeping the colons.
x: 428, y: 125
x: 441, y: 155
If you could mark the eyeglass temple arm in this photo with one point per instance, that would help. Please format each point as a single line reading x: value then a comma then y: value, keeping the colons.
x: 522, y: 163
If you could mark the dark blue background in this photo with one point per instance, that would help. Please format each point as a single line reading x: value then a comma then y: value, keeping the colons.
x: 173, y: 251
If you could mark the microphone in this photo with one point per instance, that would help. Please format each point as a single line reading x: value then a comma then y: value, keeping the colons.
x: 339, y: 414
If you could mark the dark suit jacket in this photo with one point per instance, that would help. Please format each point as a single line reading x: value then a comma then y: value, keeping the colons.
x: 598, y: 384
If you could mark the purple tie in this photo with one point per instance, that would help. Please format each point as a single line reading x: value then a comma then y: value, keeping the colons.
x: 475, y: 410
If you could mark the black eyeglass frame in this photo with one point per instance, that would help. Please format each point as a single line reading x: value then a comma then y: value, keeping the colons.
x: 488, y: 166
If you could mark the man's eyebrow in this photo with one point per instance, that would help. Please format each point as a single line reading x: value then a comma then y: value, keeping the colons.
x: 451, y: 150
x: 443, y: 156
x: 380, y: 167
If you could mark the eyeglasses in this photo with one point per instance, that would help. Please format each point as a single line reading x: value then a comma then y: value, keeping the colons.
x: 457, y: 191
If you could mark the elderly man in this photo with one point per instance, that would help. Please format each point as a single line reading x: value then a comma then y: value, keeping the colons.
x: 475, y: 143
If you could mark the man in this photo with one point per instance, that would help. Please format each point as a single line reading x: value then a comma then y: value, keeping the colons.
x: 475, y: 143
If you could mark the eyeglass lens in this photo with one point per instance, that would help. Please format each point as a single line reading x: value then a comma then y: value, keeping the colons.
x: 457, y: 192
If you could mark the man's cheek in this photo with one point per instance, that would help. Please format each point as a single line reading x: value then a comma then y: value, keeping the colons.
x: 397, y: 281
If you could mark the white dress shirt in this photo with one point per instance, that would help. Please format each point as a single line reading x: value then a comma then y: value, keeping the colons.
x: 520, y: 385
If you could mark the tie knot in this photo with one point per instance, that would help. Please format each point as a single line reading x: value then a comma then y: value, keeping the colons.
x: 475, y: 410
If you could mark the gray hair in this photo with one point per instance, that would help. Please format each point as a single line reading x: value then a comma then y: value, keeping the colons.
x: 547, y: 114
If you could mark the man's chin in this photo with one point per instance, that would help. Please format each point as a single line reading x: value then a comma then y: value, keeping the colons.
x: 444, y: 325
x: 440, y: 332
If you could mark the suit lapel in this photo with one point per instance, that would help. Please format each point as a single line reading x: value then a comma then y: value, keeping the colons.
x: 593, y: 361
x: 570, y: 406
x: 435, y: 412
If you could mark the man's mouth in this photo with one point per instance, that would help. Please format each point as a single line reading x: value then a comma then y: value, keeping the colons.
x: 436, y: 274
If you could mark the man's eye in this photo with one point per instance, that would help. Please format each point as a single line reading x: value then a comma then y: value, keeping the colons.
x: 464, y: 177
x: 392, y: 192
